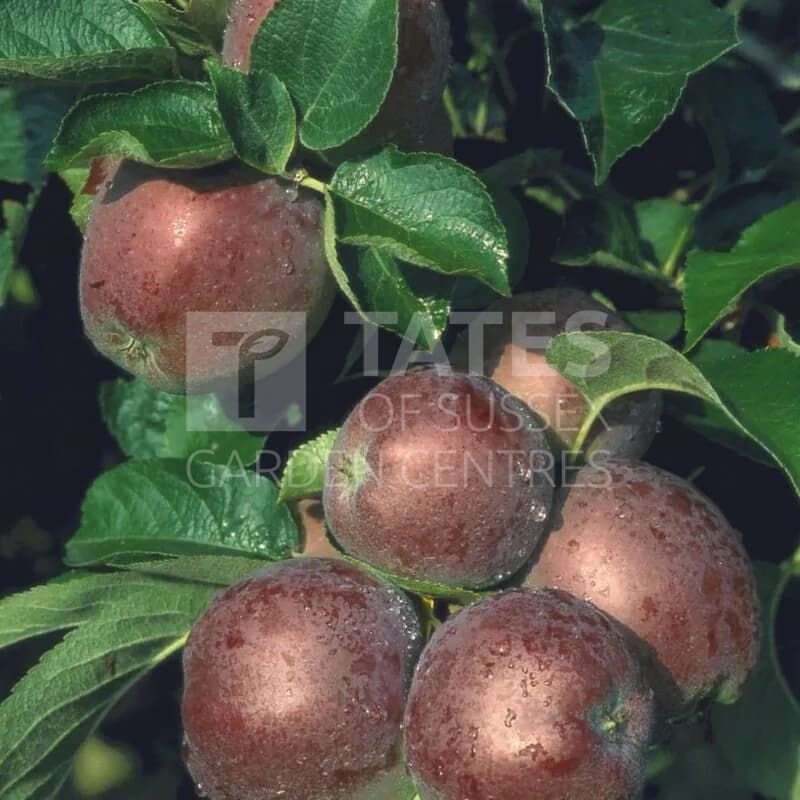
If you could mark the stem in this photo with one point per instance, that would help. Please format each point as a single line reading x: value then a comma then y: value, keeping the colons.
x: 312, y: 183
x: 685, y: 193
x: 671, y: 264
x: 452, y: 112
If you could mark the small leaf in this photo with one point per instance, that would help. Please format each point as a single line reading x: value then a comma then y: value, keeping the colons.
x: 179, y: 28
x: 424, y: 209
x: 352, y: 45
x: 170, y: 507
x: 258, y: 114
x: 463, y: 597
x: 170, y: 124
x: 621, y: 71
x: 75, y: 178
x: 80, y: 41
x: 714, y: 281
x: 151, y: 424
x: 128, y: 627
x: 760, y: 734
x: 304, y: 475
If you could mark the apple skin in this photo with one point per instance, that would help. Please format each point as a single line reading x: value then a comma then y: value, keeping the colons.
x: 411, y: 116
x: 528, y: 694
x: 627, y: 425
x: 163, y: 243
x: 442, y: 478
x: 651, y: 550
x: 244, y: 20
x: 295, y: 686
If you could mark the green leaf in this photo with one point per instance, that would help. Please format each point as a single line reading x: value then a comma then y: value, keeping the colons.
x: 760, y: 734
x: 29, y: 119
x: 15, y: 217
x: 80, y: 41
x: 214, y: 570
x: 472, y: 294
x: 151, y: 424
x: 13, y: 147
x: 424, y: 209
x: 719, y: 224
x: 667, y: 227
x: 170, y: 507
x: 128, y: 626
x: 660, y: 324
x: 179, y: 28
x: 707, y: 419
x: 169, y: 124
x: 621, y: 71
x: 606, y: 365
x: 304, y: 475
x: 332, y: 251
x: 529, y: 165
x: 352, y: 45
x: 57, y: 606
x: 258, y: 114
x: 75, y: 178
x: 715, y: 281
x: 463, y: 597
x: 604, y: 232
x: 761, y: 389
x: 417, y: 300
x: 209, y: 17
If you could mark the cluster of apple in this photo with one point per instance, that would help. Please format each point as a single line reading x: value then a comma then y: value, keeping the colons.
x: 161, y: 243
x: 604, y: 605
x: 615, y: 603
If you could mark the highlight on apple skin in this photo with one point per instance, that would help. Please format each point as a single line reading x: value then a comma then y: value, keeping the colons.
x: 528, y: 694
x: 161, y: 244
x: 295, y: 684
x: 440, y: 477
x: 654, y: 552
